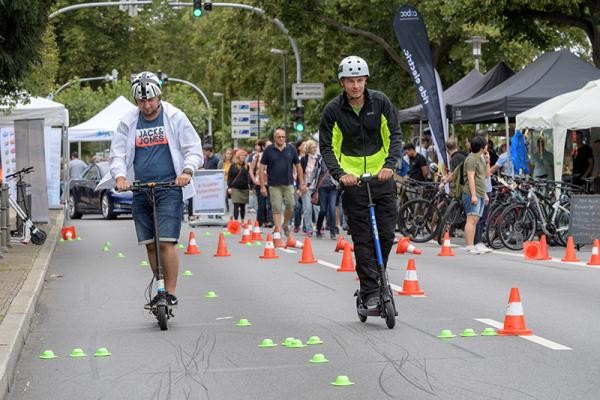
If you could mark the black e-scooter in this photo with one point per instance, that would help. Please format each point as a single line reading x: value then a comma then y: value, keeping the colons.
x: 387, y: 306
x: 161, y: 310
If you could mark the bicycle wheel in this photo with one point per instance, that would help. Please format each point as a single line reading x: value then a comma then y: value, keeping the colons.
x: 450, y: 221
x: 517, y: 225
x: 562, y: 222
x: 418, y: 219
x: 492, y: 233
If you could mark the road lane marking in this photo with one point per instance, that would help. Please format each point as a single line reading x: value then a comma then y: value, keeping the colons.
x: 532, y: 338
x: 555, y: 259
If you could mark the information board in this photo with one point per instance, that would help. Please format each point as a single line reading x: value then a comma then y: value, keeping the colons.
x: 210, y: 192
x: 585, y: 218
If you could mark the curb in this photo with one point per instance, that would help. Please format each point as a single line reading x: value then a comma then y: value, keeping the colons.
x: 14, y: 329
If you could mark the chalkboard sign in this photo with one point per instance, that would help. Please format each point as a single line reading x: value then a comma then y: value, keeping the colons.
x: 585, y: 218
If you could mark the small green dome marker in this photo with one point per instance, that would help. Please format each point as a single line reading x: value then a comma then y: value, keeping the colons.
x: 342, y: 380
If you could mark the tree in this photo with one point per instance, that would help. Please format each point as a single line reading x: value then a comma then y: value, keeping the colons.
x: 22, y: 25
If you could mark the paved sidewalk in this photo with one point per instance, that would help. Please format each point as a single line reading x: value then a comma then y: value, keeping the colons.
x: 22, y: 274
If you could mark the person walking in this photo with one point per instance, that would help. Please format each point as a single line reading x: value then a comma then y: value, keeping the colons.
x: 474, y: 196
x: 264, y: 214
x: 309, y: 162
x: 76, y: 166
x: 277, y: 163
x: 225, y: 163
x: 360, y: 134
x: 238, y: 184
x: 156, y: 143
x: 327, y: 189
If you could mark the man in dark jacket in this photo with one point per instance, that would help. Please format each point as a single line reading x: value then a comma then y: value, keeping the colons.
x: 360, y: 134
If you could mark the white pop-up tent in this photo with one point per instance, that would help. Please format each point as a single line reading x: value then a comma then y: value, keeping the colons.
x: 101, y: 126
x: 578, y: 109
x: 53, y: 114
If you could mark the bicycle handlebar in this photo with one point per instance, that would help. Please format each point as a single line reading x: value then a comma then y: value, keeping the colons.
x: 137, y: 186
x: 27, y: 170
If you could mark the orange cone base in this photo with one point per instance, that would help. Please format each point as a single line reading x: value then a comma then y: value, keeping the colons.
x: 515, y: 332
x: 411, y: 292
x: 267, y: 256
x: 514, y: 325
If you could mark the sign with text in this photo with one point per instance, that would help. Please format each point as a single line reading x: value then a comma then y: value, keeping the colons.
x: 210, y: 192
x: 584, y: 224
x: 248, y: 117
x: 308, y: 91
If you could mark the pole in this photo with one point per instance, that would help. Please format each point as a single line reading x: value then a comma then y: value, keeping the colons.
x: 222, y: 114
x: 201, y: 93
x: 285, y: 107
x: 258, y: 108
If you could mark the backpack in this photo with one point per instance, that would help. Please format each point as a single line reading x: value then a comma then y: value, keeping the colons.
x: 458, y: 181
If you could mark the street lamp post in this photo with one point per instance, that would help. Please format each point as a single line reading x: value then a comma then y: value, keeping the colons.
x: 476, y: 41
x: 222, y: 96
x: 108, y: 78
x: 283, y: 53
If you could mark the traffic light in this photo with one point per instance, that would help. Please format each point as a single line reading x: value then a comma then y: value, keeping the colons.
x: 208, y: 6
x: 198, y: 8
x: 298, y: 119
x: 162, y: 77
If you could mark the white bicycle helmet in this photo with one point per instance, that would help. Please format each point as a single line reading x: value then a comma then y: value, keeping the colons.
x: 145, y: 86
x: 352, y: 66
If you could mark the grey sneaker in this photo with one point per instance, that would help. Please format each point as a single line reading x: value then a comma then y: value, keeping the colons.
x: 474, y: 250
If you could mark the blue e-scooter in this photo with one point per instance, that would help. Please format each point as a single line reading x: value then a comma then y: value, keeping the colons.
x: 387, y: 307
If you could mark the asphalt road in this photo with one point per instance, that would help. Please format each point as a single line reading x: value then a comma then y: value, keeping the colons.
x: 93, y: 299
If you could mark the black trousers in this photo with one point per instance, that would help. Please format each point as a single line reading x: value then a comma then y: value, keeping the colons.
x: 355, y: 201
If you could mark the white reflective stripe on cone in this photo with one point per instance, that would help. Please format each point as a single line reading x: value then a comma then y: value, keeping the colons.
x: 193, y: 242
x: 447, y: 243
x: 276, y: 235
x: 515, y: 309
x: 411, y: 275
x: 269, y: 245
x: 595, y: 251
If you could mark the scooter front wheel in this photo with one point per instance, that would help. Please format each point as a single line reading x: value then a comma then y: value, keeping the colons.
x: 161, y: 316
x: 390, y: 314
x: 361, y: 317
x: 38, y: 237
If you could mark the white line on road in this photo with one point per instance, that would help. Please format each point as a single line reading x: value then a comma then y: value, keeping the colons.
x: 532, y: 338
x: 555, y: 259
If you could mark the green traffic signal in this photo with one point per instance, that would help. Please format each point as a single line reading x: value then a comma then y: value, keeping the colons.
x: 197, y: 12
x: 299, y: 126
x: 197, y: 8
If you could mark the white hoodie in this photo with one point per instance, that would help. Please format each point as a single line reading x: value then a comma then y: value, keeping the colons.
x: 184, y: 144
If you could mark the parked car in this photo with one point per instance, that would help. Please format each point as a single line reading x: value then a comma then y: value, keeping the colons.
x: 84, y: 199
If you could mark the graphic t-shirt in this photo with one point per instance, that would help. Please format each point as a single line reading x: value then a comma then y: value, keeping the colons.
x: 152, y: 161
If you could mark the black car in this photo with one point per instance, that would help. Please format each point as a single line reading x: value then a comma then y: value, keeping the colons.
x: 84, y: 199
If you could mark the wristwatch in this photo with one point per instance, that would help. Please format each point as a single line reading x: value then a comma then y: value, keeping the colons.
x: 188, y: 171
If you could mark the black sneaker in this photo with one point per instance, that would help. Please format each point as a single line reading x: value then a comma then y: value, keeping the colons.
x: 151, y: 303
x: 372, y: 301
x: 172, y: 300
x: 332, y: 236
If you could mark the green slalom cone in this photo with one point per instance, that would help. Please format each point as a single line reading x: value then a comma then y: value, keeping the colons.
x: 61, y: 240
x: 47, y: 355
x: 257, y: 243
x: 107, y: 244
x: 77, y: 353
x: 227, y: 233
x: 446, y: 334
x: 144, y: 263
x: 180, y: 246
x: 249, y: 244
x: 243, y: 322
x: 105, y: 248
x: 120, y: 255
x: 342, y: 380
x: 102, y: 352
x: 267, y: 343
x: 211, y: 295
x: 468, y: 332
x: 318, y: 359
x: 288, y: 341
x: 314, y: 340
x: 207, y: 233
x: 70, y: 239
x: 295, y: 344
x: 78, y: 238
x: 187, y: 273
x: 489, y: 332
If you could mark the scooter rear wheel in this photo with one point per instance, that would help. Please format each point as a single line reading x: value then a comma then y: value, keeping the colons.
x: 38, y: 237
x: 390, y: 314
x: 361, y: 318
x: 161, y: 316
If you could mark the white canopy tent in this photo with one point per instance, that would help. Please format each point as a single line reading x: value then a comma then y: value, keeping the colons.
x: 579, y: 109
x: 54, y: 114
x: 101, y: 126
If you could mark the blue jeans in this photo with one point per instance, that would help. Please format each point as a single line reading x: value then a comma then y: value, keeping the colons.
x: 473, y: 209
x: 307, y: 210
x: 263, y: 210
x: 169, y: 208
x: 297, y: 214
x: 327, y: 199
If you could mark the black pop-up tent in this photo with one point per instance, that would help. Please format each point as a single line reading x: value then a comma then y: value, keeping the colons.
x: 470, y: 85
x: 550, y: 75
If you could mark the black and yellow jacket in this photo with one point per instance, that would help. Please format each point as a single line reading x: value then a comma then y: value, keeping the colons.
x: 364, y: 143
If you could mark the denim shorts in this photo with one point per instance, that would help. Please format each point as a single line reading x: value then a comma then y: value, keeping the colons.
x: 473, y: 209
x: 169, y: 210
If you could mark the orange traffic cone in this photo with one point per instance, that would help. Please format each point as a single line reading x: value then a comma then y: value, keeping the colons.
x: 307, y: 253
x: 277, y: 242
x: 404, y: 246
x: 570, y: 255
x: 234, y: 227
x: 544, y: 246
x: 514, y: 320
x: 222, y: 247
x: 256, y: 233
x: 410, y: 286
x: 269, y: 251
x: 192, y: 247
x: 246, y: 237
x: 347, y: 261
x: 446, y: 247
x: 341, y: 244
x: 293, y: 243
x: 595, y: 259
x: 532, y: 250
x: 68, y: 233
